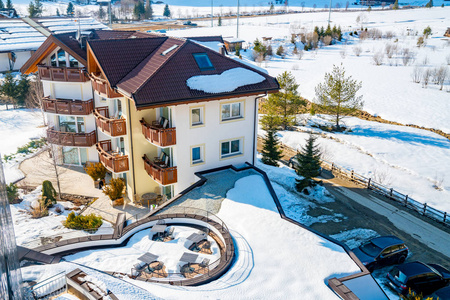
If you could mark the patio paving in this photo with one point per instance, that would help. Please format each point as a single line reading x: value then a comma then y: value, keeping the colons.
x: 74, y: 181
x: 209, y: 196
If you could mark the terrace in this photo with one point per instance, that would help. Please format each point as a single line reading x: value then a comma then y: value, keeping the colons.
x: 68, y: 106
x: 114, y: 161
x: 71, y: 139
x: 158, y: 134
x: 62, y: 74
x: 160, y: 171
x: 101, y: 86
x: 110, y: 126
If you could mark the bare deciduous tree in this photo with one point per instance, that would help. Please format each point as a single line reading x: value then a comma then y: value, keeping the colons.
x: 407, y: 56
x: 447, y: 59
x: 426, y: 77
x: 440, y: 74
x: 378, y: 58
x: 34, y: 99
x: 416, y: 75
x: 357, y: 50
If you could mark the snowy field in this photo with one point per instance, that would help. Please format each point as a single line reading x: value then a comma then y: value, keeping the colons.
x: 17, y: 128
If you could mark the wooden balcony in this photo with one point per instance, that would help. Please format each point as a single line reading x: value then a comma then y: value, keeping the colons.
x: 71, y: 139
x: 68, y: 107
x: 160, y: 174
x: 159, y: 136
x: 62, y: 74
x: 109, y: 126
x: 113, y: 161
x: 102, y: 87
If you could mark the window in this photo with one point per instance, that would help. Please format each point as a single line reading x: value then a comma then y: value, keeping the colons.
x: 73, y: 62
x: 53, y: 60
x: 203, y: 61
x: 232, y: 111
x: 197, y: 154
x: 61, y: 58
x: 197, y: 116
x: 71, y: 124
x: 230, y: 148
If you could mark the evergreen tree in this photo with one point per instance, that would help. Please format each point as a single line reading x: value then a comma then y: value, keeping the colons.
x: 337, y: 95
x: 1, y: 4
x: 57, y: 12
x: 272, y: 8
x: 31, y: 10
x: 308, y: 163
x: 35, y: 9
x: 148, y: 10
x: 166, y: 12
x: 429, y: 4
x: 101, y: 12
x: 22, y: 90
x: 8, y: 88
x: 219, y: 22
x: 139, y: 10
x: 280, y: 51
x: 271, y: 152
x: 328, y: 31
x: 339, y: 33
x: 395, y: 5
x: 9, y: 4
x: 48, y: 193
x: 287, y: 101
x: 70, y: 9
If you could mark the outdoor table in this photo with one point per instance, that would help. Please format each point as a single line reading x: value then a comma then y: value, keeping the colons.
x: 159, y: 229
x: 195, y: 237
x: 148, y: 258
x: 190, y: 258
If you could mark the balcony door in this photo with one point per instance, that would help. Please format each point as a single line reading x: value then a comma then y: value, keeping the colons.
x: 74, y: 156
x: 169, y: 152
x: 71, y: 124
x: 166, y: 112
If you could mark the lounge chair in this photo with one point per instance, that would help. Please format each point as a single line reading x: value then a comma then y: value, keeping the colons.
x: 204, y: 263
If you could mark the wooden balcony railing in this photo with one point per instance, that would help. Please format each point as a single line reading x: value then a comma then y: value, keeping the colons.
x: 160, y: 174
x: 71, y: 139
x: 62, y: 74
x: 159, y: 136
x: 112, y: 127
x: 68, y: 107
x: 115, y: 162
x: 102, y: 87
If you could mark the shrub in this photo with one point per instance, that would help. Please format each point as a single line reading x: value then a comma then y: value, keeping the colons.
x: 357, y: 50
x: 48, y: 193
x: 80, y: 222
x: 280, y: 51
x: 420, y: 41
x: 97, y: 171
x: 114, y: 189
x: 427, y: 32
x: 39, y: 211
x: 378, y: 58
x: 12, y: 192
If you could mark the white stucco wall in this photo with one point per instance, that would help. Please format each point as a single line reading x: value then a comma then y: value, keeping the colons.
x: 210, y: 136
x: 21, y: 59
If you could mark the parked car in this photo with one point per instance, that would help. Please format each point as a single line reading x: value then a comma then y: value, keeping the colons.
x: 419, y: 277
x: 382, y: 251
x: 442, y: 294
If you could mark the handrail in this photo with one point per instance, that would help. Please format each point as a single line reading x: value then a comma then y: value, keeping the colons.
x: 75, y: 139
x: 51, y: 105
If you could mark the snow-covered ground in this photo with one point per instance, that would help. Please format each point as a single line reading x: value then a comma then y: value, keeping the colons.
x: 29, y: 231
x: 410, y: 160
x: 18, y: 127
x: 124, y: 258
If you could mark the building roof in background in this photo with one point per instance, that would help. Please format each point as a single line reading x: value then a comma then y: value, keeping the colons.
x: 19, y: 35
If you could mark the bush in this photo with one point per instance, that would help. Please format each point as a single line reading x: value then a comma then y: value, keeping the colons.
x: 39, y: 211
x: 114, y: 190
x: 80, y: 222
x: 97, y: 171
x: 427, y: 32
x: 280, y: 51
x: 12, y: 192
x: 48, y: 194
x: 31, y: 145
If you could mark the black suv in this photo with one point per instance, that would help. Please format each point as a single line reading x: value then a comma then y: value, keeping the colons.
x: 382, y: 251
x: 419, y: 277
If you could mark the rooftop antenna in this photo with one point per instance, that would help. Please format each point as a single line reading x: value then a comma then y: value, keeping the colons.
x: 212, y: 13
x: 237, y: 32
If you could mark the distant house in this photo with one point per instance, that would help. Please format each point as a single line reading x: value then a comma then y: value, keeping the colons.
x: 153, y: 109
x: 8, y: 13
x: 231, y: 43
x: 447, y: 33
x: 19, y: 38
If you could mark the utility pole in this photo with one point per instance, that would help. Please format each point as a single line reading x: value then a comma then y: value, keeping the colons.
x: 329, y: 14
x: 212, y: 13
x: 109, y: 4
x: 237, y: 33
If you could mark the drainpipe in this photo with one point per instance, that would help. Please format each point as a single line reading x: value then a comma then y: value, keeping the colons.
x: 255, y: 125
x: 131, y: 146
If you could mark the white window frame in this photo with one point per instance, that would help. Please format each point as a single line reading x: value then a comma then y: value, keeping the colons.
x: 202, y: 116
x: 232, y: 154
x: 239, y: 117
x: 200, y: 161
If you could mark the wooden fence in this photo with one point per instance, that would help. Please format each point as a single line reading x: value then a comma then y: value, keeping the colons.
x: 421, y: 208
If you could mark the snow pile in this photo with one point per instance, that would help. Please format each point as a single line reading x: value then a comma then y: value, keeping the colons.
x: 228, y: 81
x: 355, y: 237
x: 98, y: 286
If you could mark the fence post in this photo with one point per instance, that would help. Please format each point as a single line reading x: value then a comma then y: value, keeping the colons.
x: 406, y: 200
x: 445, y: 217
x: 390, y: 194
x: 368, y: 184
x: 332, y: 167
x: 424, y: 208
x: 352, y: 174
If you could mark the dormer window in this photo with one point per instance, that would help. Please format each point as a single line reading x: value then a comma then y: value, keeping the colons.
x: 203, y: 61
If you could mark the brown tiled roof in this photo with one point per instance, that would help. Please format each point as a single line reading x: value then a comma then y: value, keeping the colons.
x: 118, y: 57
x: 212, y: 38
x: 162, y: 80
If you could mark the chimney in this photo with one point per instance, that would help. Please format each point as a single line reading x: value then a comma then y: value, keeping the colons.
x: 222, y: 50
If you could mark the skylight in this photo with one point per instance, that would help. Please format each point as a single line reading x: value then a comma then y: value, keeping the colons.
x: 168, y: 50
x: 203, y: 61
